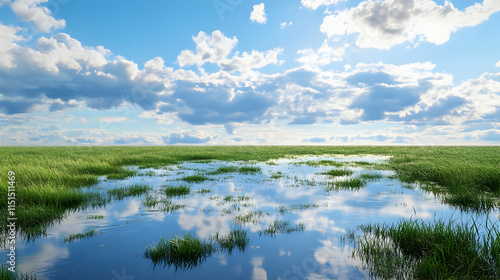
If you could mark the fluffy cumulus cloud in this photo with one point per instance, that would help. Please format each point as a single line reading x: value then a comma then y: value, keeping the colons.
x: 314, y: 4
x: 8, y: 39
x: 323, y: 56
x: 383, y: 24
x: 186, y: 138
x: 498, y: 64
x: 217, y: 49
x: 41, y: 17
x: 258, y: 14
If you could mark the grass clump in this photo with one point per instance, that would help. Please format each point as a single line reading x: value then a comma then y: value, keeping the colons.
x: 196, y: 178
x: 188, y: 251
x: 124, y: 192
x: 251, y: 217
x: 184, y: 252
x: 282, y: 227
x: 288, y: 209
x: 237, y: 238
x: 95, y: 217
x: 77, y: 236
x: 348, y: 185
x: 430, y: 250
x: 235, y: 169
x: 323, y: 163
x: 5, y: 274
x: 177, y: 191
x: 371, y: 177
x: 338, y: 172
x: 203, y: 191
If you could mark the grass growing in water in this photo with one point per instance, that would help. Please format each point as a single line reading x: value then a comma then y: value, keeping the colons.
x: 338, y: 172
x: 196, y: 178
x: 430, y: 250
x: 184, y: 252
x: 5, y: 274
x: 288, y: 209
x: 349, y: 184
x: 235, y: 169
x: 371, y: 177
x: 123, y: 192
x: 177, y: 190
x: 188, y: 251
x: 78, y: 236
x: 282, y: 227
x: 95, y: 217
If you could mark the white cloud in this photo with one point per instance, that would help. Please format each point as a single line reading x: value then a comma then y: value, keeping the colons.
x: 41, y: 17
x: 323, y: 56
x: 285, y: 24
x: 314, y: 4
x: 217, y: 48
x: 383, y: 24
x: 8, y: 38
x: 258, y: 14
x: 498, y: 64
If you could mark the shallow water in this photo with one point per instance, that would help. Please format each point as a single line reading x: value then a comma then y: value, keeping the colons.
x: 297, y: 195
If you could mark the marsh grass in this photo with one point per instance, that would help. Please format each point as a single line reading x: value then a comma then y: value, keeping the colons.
x: 237, y: 238
x: 161, y: 203
x: 188, y: 251
x: 5, y: 274
x: 196, y: 178
x: 236, y: 169
x: 323, y: 163
x: 282, y: 227
x: 202, y: 191
x: 251, y: 217
x: 184, y: 252
x: 95, y: 217
x: 47, y: 178
x: 371, y: 177
x: 430, y: 250
x: 349, y: 184
x: 337, y: 172
x: 124, y: 192
x: 177, y: 191
x: 77, y: 236
x: 288, y: 209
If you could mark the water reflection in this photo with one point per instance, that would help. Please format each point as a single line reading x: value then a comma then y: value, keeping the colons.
x: 288, y: 192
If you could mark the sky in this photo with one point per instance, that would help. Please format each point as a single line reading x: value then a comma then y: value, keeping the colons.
x: 234, y: 72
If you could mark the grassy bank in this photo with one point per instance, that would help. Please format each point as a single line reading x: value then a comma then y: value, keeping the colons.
x: 49, y: 179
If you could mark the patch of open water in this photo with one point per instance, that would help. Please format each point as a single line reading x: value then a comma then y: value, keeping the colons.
x: 285, y: 190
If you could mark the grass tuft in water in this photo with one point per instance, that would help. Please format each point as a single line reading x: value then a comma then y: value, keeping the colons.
x: 371, y: 177
x: 77, y: 236
x: 5, y: 274
x: 95, y: 217
x: 184, y: 252
x: 251, y: 217
x: 288, y: 209
x: 237, y: 238
x: 349, y: 184
x: 430, y: 250
x: 177, y: 190
x: 202, y: 191
x: 196, y: 179
x: 338, y: 172
x: 235, y: 169
x: 282, y: 227
x: 123, y: 192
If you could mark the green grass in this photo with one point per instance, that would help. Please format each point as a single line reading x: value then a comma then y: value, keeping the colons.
x: 196, y: 178
x: 202, y: 191
x: 188, y: 251
x: 430, y: 250
x: 184, y: 252
x: 235, y: 169
x: 77, y: 236
x: 282, y: 227
x: 237, y: 238
x: 95, y: 217
x: 177, y: 190
x: 288, y: 209
x: 5, y: 274
x: 338, y: 172
x: 323, y: 163
x: 124, y: 192
x: 251, y: 217
x: 349, y: 184
x: 371, y: 177
x: 48, y: 178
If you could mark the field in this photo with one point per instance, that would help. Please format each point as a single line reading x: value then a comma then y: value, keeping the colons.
x: 50, y: 181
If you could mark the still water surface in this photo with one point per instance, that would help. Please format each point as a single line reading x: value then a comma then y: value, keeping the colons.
x: 285, y: 190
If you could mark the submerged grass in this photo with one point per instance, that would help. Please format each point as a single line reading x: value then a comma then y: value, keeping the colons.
x: 48, y: 178
x: 430, y: 250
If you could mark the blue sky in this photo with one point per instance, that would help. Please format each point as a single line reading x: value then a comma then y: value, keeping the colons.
x: 234, y: 72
